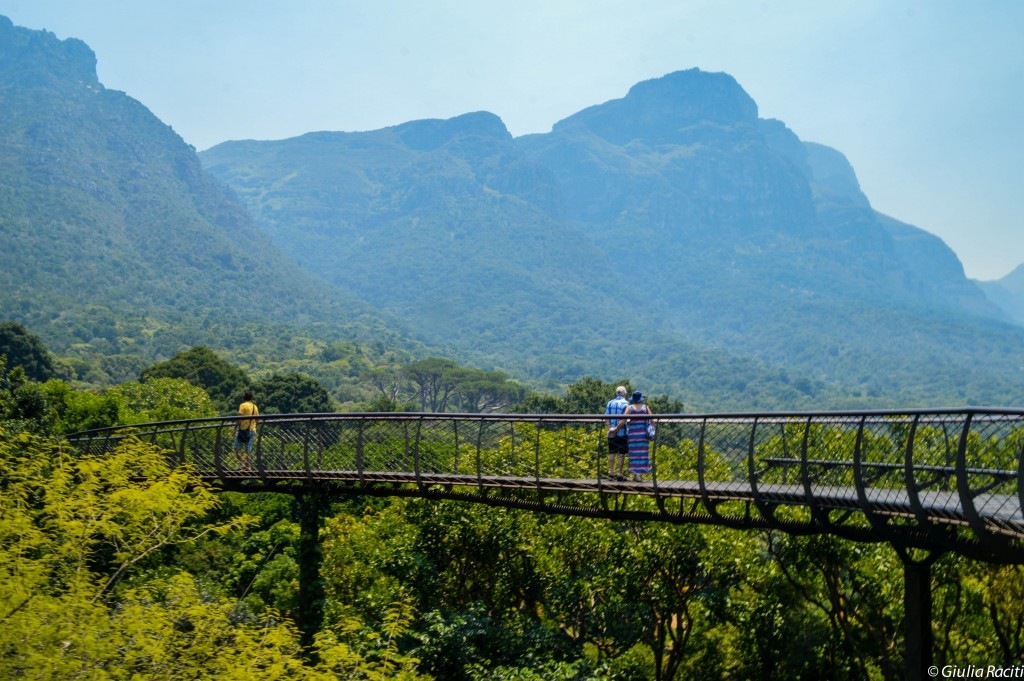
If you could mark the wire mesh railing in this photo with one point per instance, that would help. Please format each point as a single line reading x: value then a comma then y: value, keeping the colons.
x: 949, y: 479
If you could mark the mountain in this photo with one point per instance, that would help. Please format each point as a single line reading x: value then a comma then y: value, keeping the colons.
x: 684, y: 163
x: 671, y: 236
x: 421, y: 220
x: 118, y: 249
x: 114, y: 240
x: 932, y: 269
x: 445, y: 224
x: 1008, y: 293
x: 632, y: 238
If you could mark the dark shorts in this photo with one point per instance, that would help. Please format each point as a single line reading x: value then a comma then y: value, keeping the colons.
x: 243, y: 439
x: 618, y: 445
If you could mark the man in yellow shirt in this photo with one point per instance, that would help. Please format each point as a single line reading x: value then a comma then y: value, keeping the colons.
x: 245, y: 433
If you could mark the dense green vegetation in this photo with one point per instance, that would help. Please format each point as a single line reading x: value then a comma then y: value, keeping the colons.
x: 25, y: 350
x: 422, y: 589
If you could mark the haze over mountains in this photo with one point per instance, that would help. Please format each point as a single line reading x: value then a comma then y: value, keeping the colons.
x: 672, y: 213
x: 671, y: 236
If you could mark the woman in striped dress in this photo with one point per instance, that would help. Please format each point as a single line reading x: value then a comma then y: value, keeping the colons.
x: 636, y: 431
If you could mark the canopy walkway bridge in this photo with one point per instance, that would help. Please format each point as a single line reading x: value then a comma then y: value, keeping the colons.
x: 926, y: 481
x: 941, y: 480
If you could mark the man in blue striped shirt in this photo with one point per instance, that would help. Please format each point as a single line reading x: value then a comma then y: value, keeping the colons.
x: 618, y: 443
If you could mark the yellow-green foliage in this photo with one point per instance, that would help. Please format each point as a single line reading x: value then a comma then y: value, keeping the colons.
x: 76, y: 599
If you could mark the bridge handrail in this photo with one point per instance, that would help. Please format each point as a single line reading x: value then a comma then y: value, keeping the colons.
x: 762, y: 417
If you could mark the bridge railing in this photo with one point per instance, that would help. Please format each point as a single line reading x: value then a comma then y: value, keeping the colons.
x: 940, y: 475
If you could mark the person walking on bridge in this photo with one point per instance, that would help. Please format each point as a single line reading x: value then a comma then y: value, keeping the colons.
x: 639, y: 436
x: 618, y: 443
x: 245, y: 430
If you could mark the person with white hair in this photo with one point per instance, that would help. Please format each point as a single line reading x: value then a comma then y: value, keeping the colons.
x: 618, y: 443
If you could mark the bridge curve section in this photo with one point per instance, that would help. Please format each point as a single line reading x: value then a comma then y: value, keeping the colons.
x: 939, y: 480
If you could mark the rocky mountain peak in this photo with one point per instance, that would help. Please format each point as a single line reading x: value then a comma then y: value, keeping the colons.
x: 36, y: 58
x: 661, y: 110
x: 432, y: 133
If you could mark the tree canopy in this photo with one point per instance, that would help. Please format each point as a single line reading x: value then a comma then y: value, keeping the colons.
x: 201, y: 367
x: 25, y: 350
x: 292, y: 394
x: 590, y: 395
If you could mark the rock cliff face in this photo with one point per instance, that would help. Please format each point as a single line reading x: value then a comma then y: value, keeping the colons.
x: 681, y: 155
x: 718, y: 199
x: 833, y: 176
x: 677, y: 109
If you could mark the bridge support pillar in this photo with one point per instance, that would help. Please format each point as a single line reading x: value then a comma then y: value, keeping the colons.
x: 311, y: 507
x: 917, y: 606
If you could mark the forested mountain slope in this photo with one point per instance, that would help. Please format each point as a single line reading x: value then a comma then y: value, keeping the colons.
x: 113, y: 239
x: 434, y: 220
x: 631, y: 234
x: 445, y: 225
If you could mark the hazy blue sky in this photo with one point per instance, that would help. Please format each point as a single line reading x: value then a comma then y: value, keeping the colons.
x: 925, y: 97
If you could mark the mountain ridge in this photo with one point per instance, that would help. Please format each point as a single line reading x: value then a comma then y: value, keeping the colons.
x: 687, y: 251
x: 719, y: 211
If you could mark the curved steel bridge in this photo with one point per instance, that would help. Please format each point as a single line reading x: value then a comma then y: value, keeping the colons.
x: 937, y: 480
